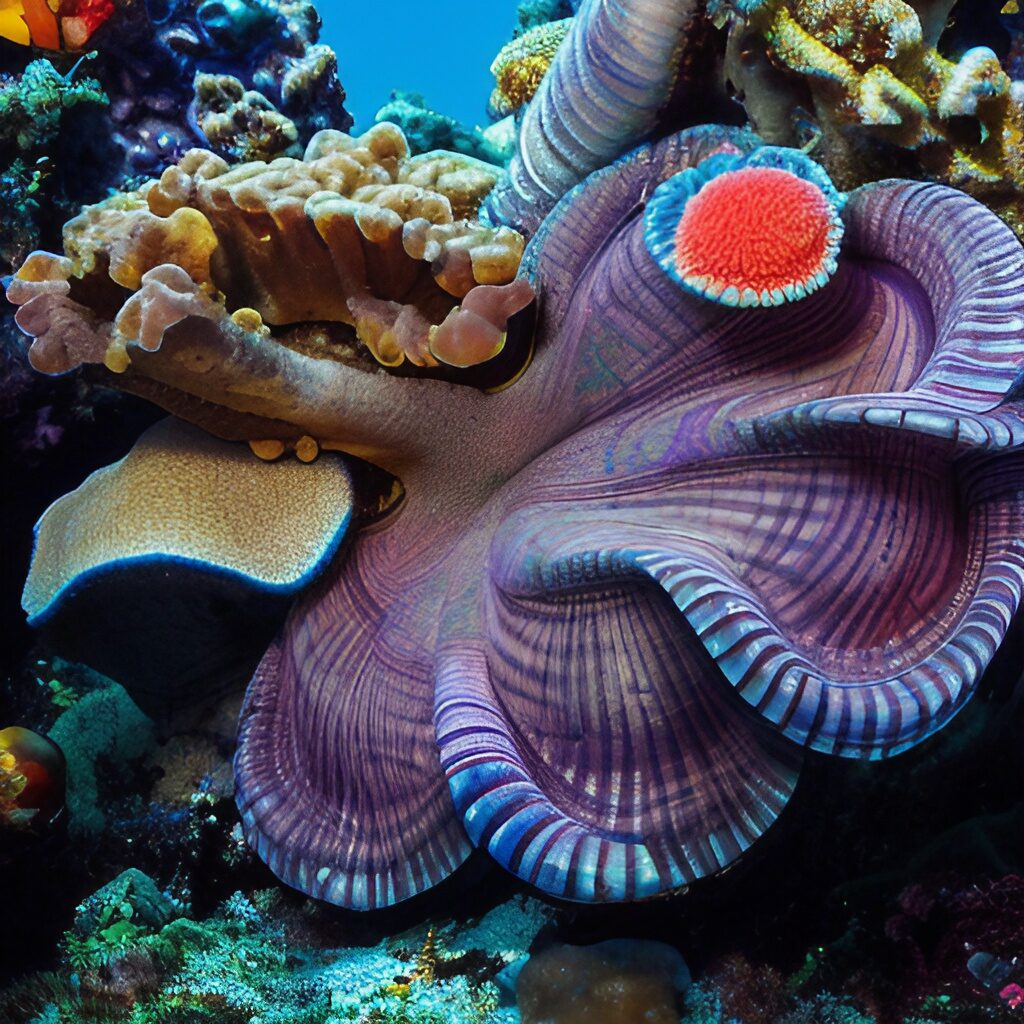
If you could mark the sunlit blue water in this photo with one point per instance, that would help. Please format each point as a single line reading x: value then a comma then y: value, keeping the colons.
x: 442, y: 50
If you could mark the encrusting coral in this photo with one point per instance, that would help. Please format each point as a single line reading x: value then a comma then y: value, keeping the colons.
x: 522, y: 63
x: 863, y: 82
x: 101, y: 735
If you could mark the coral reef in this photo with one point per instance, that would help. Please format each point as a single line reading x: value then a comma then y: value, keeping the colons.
x: 427, y: 130
x: 877, y: 94
x: 155, y: 65
x: 642, y: 550
x: 34, y: 136
x: 102, y: 735
x: 937, y: 925
x: 151, y: 60
x: 69, y: 136
x: 134, y: 956
x: 33, y: 104
x: 629, y: 981
x: 130, y: 898
x: 824, y: 409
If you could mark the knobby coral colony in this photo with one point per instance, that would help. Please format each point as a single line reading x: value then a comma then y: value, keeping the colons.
x: 754, y: 493
x: 868, y: 79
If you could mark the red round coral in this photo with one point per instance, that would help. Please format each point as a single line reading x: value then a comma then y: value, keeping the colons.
x: 758, y: 230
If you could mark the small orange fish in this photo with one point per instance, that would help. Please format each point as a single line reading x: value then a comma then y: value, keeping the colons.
x: 52, y: 24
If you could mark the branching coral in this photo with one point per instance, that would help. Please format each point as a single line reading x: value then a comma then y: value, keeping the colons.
x: 867, y: 75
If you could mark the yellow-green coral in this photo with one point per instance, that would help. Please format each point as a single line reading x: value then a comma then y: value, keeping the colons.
x: 12, y: 785
x: 522, y: 63
x: 865, y: 75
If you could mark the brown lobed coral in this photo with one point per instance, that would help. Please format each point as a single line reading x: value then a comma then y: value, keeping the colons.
x: 354, y: 243
x: 239, y: 123
x: 863, y: 82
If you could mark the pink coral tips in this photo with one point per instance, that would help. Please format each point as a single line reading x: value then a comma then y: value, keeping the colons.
x: 747, y: 230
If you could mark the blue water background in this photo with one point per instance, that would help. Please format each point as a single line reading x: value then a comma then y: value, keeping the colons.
x: 442, y: 50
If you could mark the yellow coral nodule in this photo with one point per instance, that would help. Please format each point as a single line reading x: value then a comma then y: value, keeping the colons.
x: 522, y: 64
x: 249, y: 319
x: 306, y: 448
x: 116, y: 358
x: 269, y: 450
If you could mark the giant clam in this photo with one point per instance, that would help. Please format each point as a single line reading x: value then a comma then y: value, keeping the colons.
x: 622, y: 594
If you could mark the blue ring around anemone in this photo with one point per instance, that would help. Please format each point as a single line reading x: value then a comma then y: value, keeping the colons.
x: 665, y: 208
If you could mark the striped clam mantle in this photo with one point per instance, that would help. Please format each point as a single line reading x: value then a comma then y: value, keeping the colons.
x: 622, y: 597
x: 692, y: 542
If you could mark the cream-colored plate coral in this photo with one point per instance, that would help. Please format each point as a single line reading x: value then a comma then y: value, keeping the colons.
x: 182, y: 495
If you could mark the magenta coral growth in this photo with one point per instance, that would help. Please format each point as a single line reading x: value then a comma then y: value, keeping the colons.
x: 940, y: 925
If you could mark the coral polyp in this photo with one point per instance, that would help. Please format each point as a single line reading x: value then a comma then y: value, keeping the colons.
x: 747, y: 231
